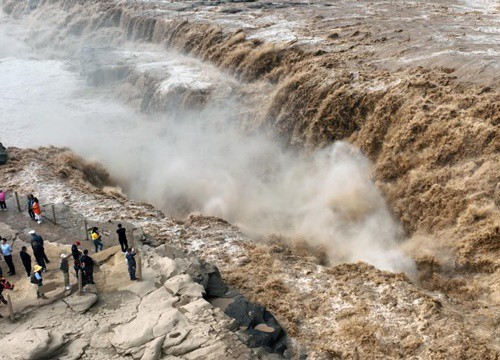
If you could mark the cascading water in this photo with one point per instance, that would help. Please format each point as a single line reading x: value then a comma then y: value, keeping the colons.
x: 187, y: 150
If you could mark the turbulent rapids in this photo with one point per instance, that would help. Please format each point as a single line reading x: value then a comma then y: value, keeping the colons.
x: 325, y: 146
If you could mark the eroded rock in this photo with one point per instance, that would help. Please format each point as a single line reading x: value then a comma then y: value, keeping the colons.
x: 31, y: 344
x: 81, y: 303
x: 184, y: 286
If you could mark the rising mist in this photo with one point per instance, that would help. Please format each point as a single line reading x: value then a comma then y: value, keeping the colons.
x: 184, y: 160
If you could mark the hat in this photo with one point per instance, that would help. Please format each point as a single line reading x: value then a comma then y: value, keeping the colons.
x: 64, y: 256
x: 37, y: 268
x: 78, y: 243
x: 32, y: 232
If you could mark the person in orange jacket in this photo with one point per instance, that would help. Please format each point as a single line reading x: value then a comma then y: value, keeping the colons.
x: 37, y: 210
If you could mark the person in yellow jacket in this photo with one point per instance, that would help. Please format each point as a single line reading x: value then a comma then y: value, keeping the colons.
x: 96, y: 239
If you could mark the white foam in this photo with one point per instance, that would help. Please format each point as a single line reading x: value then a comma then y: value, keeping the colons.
x: 483, y: 6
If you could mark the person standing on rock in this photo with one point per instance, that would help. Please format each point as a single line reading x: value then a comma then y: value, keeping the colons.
x: 7, y: 255
x: 96, y: 239
x: 131, y: 263
x: 26, y: 260
x: 87, y: 267
x: 3, y: 206
x: 76, y: 254
x: 122, y: 238
x: 64, y: 267
x: 37, y: 210
x: 37, y: 247
x: 30, y: 206
x: 38, y: 238
x: 37, y: 279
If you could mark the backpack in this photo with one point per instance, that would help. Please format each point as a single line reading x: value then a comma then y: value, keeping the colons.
x: 33, y: 279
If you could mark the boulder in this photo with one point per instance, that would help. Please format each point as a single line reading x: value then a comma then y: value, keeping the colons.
x: 152, y: 350
x: 171, y: 267
x: 196, y: 307
x: 167, y: 322
x: 259, y: 327
x: 74, y: 350
x: 245, y: 313
x: 183, y: 285
x: 170, y: 251
x: 32, y: 344
x: 81, y: 304
x: 103, y: 256
x: 208, y: 276
x: 155, y: 317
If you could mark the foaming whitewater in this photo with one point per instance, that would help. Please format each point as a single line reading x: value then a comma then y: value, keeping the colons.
x: 185, y: 158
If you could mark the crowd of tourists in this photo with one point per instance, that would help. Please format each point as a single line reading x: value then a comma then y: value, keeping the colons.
x: 82, y: 261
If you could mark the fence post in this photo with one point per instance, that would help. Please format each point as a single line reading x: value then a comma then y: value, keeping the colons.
x: 139, y: 266
x: 9, y: 306
x: 80, y: 283
x: 17, y: 201
x: 85, y: 229
x: 54, y: 215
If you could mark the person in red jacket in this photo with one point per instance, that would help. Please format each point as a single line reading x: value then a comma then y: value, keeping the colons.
x: 4, y: 284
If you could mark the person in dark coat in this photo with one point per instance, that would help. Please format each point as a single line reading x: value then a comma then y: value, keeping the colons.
x: 30, y: 206
x: 76, y: 254
x: 122, y: 238
x: 131, y: 263
x: 87, y: 267
x: 37, y: 247
x: 26, y: 260
x: 38, y: 239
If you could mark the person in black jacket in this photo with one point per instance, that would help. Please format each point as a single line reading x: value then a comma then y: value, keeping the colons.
x: 87, y: 267
x: 122, y: 238
x: 75, y: 252
x: 30, y: 206
x: 37, y: 247
x: 26, y: 260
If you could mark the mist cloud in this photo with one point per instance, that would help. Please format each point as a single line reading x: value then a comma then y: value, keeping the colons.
x: 198, y: 160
